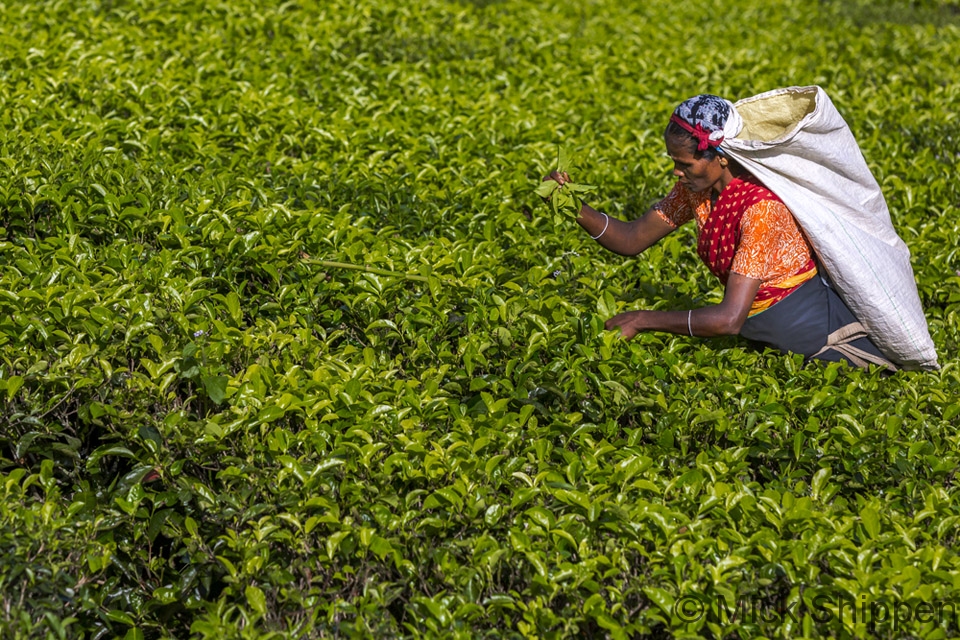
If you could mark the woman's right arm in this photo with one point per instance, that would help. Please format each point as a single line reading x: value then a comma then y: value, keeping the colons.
x: 625, y: 238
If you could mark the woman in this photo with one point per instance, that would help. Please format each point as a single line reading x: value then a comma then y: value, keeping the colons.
x: 749, y: 240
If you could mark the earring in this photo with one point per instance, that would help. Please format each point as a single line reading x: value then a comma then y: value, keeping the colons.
x: 723, y: 163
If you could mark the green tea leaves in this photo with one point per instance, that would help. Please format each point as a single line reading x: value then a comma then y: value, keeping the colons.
x: 565, y: 199
x: 216, y: 387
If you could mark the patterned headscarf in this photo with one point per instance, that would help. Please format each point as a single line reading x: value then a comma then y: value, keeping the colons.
x: 707, y: 118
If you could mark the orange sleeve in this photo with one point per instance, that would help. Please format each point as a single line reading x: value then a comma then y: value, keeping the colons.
x: 676, y: 209
x: 771, y: 244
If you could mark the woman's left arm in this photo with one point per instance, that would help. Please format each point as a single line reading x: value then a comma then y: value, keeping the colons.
x: 724, y: 319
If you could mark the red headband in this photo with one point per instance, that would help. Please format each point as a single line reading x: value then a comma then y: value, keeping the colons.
x: 698, y: 132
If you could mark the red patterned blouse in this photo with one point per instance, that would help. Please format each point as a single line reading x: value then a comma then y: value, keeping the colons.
x: 749, y: 231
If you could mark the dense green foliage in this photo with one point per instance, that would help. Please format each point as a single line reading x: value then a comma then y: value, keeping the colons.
x: 289, y: 345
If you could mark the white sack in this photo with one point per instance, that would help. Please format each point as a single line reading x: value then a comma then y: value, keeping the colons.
x: 799, y: 146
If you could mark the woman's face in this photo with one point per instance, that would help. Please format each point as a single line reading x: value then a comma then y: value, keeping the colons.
x: 696, y: 174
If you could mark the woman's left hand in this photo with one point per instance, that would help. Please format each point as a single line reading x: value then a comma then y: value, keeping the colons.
x: 630, y: 323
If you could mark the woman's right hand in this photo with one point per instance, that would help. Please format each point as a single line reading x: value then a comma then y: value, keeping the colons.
x: 560, y: 177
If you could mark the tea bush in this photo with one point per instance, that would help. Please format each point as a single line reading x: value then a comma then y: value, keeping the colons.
x: 289, y: 347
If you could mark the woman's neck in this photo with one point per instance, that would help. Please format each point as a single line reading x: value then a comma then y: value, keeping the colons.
x: 730, y: 173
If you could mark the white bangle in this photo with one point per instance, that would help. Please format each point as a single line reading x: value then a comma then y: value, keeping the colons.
x: 689, y: 327
x: 605, y: 225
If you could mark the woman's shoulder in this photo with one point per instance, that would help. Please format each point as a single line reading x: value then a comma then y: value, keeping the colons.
x: 755, y: 189
x: 681, y: 204
x: 761, y: 206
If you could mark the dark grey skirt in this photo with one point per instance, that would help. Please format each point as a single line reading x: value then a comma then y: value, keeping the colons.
x: 802, y: 322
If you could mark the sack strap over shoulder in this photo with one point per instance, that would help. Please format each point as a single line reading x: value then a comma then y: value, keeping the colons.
x: 840, y: 341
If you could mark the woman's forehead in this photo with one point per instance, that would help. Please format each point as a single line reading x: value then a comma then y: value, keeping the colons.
x: 678, y: 151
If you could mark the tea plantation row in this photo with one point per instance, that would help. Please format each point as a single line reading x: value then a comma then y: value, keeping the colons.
x: 289, y: 348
